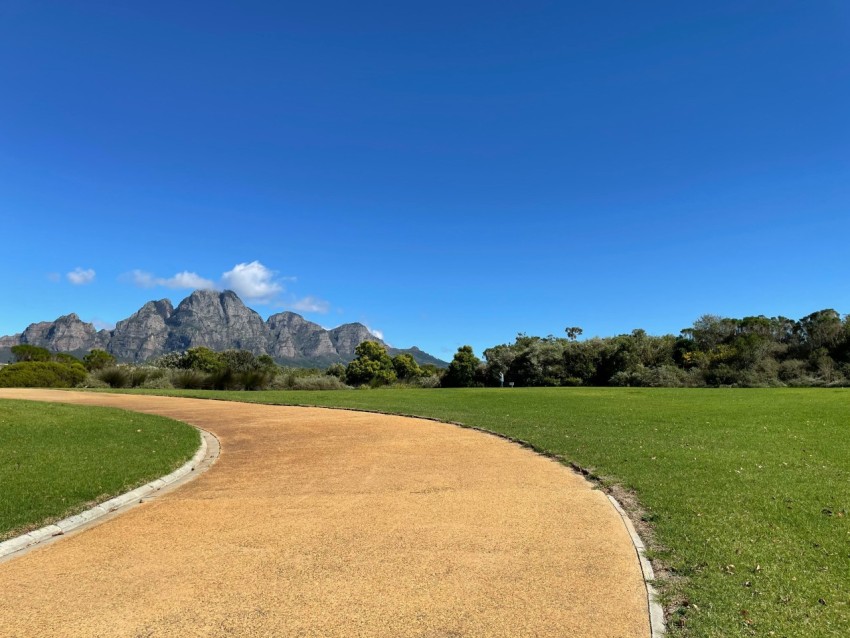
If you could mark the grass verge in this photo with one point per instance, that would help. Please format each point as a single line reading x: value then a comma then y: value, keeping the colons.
x: 747, y: 492
x: 57, y: 460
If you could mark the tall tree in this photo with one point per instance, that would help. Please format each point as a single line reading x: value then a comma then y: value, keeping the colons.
x: 462, y: 370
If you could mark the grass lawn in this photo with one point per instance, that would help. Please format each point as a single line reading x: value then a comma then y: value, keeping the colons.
x: 747, y: 491
x: 57, y: 460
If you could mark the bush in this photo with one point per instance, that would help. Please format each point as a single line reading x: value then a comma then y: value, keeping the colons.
x: 171, y: 361
x: 256, y: 379
x: 190, y: 380
x: 336, y: 370
x: 157, y: 383
x: 28, y: 353
x: 429, y: 381
x: 42, y: 374
x: 318, y: 382
x: 92, y: 381
x: 98, y: 359
x: 115, y: 377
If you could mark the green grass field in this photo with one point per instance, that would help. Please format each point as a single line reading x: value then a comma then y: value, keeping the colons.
x: 56, y: 460
x: 747, y: 491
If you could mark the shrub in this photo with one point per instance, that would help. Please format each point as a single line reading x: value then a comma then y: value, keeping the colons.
x: 224, y: 379
x: 336, y: 370
x: 98, y: 359
x: 429, y: 381
x: 42, y: 374
x: 157, y: 383
x: 190, y: 380
x: 26, y: 352
x: 318, y: 382
x: 138, y: 376
x: 92, y: 381
x: 256, y: 379
x: 171, y: 360
x: 115, y: 377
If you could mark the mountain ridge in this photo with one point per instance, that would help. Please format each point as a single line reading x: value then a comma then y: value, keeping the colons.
x: 216, y: 320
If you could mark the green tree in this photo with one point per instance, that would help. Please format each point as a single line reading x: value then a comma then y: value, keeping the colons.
x: 204, y: 360
x: 406, y: 367
x: 462, y: 370
x: 266, y: 362
x: 97, y: 360
x: 573, y: 332
x: 372, y: 365
x: 27, y: 352
x: 238, y: 360
x: 336, y: 370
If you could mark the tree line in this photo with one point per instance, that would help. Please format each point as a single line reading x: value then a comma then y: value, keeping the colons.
x: 715, y: 351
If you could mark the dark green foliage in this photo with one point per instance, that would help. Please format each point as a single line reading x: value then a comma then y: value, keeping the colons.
x: 130, y: 377
x: 336, y: 370
x: 203, y: 360
x: 463, y: 369
x: 202, y: 368
x: 372, y: 366
x: 115, y: 377
x: 715, y: 351
x: 405, y: 367
x: 97, y: 360
x: 42, y: 374
x: 26, y: 352
x: 190, y: 380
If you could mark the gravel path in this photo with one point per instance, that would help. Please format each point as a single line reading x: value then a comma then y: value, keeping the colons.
x: 328, y: 523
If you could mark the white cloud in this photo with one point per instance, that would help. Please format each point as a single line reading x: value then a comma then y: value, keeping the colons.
x: 99, y: 324
x: 311, y: 304
x: 80, y: 276
x: 252, y: 281
x: 183, y: 279
x: 376, y: 333
x: 188, y: 279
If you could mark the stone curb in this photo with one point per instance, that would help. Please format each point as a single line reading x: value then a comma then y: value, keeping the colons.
x: 656, y: 612
x: 207, y: 451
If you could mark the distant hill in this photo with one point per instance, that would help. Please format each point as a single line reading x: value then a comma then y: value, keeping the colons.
x: 217, y: 320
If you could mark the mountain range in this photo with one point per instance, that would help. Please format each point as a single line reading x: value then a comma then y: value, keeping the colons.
x: 217, y: 320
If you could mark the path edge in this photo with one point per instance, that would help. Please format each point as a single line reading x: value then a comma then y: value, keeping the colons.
x: 207, y: 453
x: 657, y: 627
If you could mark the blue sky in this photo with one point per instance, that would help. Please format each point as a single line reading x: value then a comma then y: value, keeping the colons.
x: 446, y: 173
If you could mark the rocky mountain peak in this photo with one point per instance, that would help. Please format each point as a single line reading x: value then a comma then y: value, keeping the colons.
x: 216, y: 320
x: 348, y: 336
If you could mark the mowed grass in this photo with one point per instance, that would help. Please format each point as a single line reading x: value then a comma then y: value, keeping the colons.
x: 56, y: 460
x: 747, y: 491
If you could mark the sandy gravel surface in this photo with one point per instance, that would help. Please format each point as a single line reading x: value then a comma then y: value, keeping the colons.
x: 328, y: 523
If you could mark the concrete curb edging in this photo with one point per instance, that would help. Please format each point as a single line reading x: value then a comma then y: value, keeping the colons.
x: 205, y: 456
x: 656, y: 612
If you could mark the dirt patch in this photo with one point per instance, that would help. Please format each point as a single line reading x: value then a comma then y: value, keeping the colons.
x: 316, y: 522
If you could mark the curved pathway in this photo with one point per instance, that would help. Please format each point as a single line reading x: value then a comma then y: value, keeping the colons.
x: 324, y: 523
